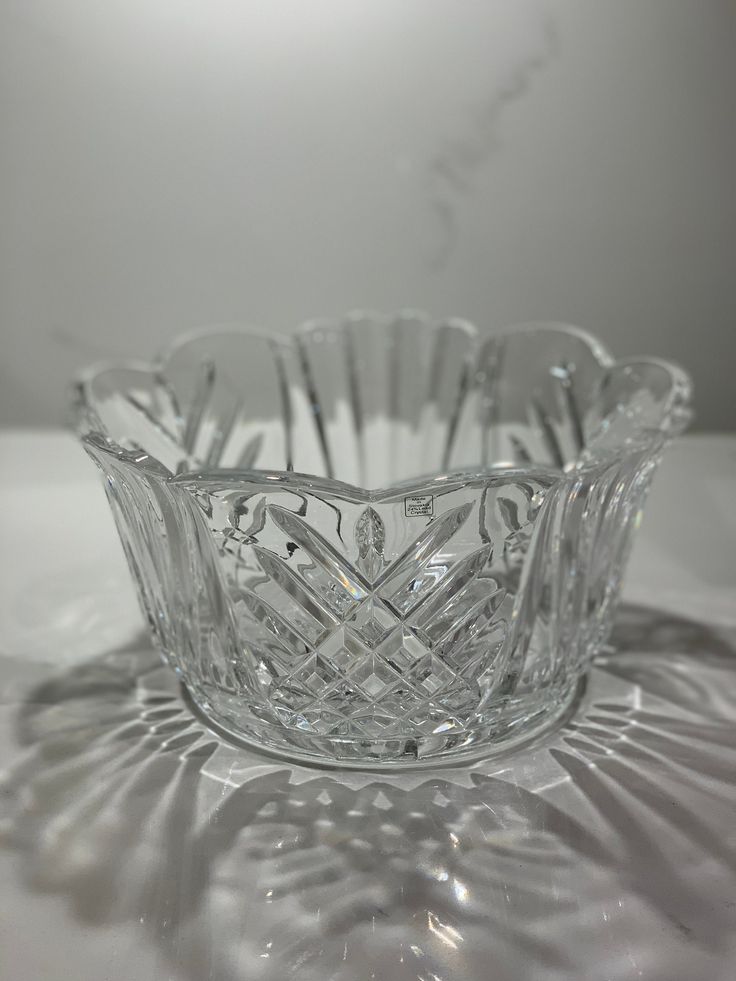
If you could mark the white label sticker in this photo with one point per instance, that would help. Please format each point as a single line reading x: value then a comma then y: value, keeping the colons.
x: 419, y: 507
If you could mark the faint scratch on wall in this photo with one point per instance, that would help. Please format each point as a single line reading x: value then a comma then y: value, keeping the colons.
x: 452, y: 169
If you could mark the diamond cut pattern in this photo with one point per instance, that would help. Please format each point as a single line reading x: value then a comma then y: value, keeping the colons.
x: 402, y: 648
x: 374, y: 676
x: 431, y: 675
x: 316, y: 674
x: 372, y: 621
x: 404, y: 628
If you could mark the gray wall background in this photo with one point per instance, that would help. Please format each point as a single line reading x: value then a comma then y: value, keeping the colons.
x: 169, y: 163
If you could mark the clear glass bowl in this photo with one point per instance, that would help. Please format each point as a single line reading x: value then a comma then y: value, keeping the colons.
x: 384, y: 540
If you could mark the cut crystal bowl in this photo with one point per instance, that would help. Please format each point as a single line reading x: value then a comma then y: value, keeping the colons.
x: 383, y: 540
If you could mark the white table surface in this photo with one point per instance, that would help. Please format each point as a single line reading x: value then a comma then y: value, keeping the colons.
x: 137, y: 846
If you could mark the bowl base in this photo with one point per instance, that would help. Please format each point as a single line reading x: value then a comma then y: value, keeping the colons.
x: 424, y: 752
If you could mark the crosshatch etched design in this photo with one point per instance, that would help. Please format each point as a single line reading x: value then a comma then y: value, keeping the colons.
x: 451, y: 610
x: 373, y: 624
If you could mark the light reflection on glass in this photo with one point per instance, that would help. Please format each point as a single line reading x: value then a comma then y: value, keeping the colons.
x: 443, y: 931
x: 460, y: 890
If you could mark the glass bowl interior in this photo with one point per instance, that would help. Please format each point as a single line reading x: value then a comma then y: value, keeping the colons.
x: 373, y: 401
